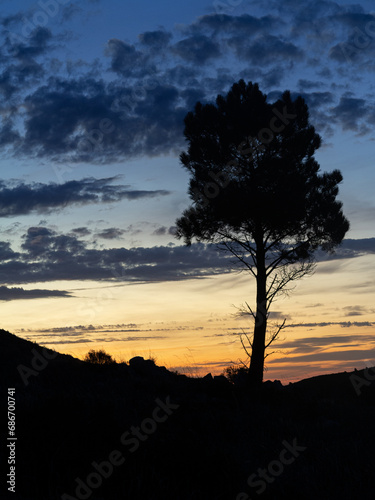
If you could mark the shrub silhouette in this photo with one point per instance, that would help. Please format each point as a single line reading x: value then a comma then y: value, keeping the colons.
x: 235, y: 373
x: 99, y: 357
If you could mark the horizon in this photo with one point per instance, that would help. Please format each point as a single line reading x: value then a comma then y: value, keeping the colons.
x: 91, y: 184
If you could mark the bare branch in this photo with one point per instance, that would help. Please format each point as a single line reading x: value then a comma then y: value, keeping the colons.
x: 275, y: 335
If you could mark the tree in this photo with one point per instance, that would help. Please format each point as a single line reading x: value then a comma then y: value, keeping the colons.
x: 99, y: 357
x: 257, y: 193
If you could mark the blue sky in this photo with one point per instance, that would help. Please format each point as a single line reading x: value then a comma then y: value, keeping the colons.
x: 93, y: 96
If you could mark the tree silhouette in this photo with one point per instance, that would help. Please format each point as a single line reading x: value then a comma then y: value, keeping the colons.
x: 258, y: 194
x: 99, y: 357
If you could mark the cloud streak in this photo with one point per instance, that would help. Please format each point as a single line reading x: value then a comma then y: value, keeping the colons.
x: 23, y: 199
x: 48, y: 255
x: 8, y: 294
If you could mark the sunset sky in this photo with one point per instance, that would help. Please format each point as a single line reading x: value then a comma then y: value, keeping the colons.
x: 93, y: 97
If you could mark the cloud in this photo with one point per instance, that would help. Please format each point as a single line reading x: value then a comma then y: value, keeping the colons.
x: 20, y: 68
x: 22, y: 199
x: 126, y: 60
x: 40, y: 240
x: 344, y: 324
x: 345, y: 354
x: 356, y: 310
x: 37, y: 44
x: 265, y: 49
x: 88, y: 120
x: 79, y: 329
x: 81, y: 231
x: 244, y: 24
x: 309, y: 343
x: 156, y: 40
x: 7, y: 294
x: 6, y: 253
x: 349, y: 112
x: 278, y: 315
x: 56, y: 111
x: 47, y: 255
x: 56, y: 342
x: 313, y: 349
x: 110, y: 233
x: 306, y: 85
x: 348, y: 249
x: 160, y: 231
x: 197, y: 49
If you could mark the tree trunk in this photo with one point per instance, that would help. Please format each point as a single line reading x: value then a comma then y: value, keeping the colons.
x: 260, y: 327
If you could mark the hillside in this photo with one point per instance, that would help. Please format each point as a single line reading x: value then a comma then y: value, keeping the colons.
x: 138, y: 431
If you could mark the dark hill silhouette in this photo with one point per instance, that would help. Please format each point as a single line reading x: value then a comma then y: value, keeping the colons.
x: 200, y: 438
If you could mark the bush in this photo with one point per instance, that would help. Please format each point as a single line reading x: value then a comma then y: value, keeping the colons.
x: 99, y: 357
x: 236, y: 373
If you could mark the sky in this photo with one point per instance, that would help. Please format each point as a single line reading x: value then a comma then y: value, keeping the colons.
x: 93, y: 98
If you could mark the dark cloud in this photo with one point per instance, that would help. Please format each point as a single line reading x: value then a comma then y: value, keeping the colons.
x: 81, y: 231
x: 78, y: 341
x: 51, y: 256
x: 197, y: 49
x: 156, y: 40
x: 312, y: 343
x: 278, y: 315
x: 23, y: 199
x: 70, y: 11
x: 126, y: 60
x: 244, y: 24
x: 349, y: 248
x: 40, y: 241
x: 8, y: 135
x: 356, y: 310
x: 19, y: 68
x: 160, y: 231
x: 316, y: 100
x: 139, y: 110
x: 78, y: 112
x: 265, y: 49
x: 79, y: 329
x: 21, y: 294
x: 36, y: 44
x: 87, y: 120
x: 345, y: 354
x: 6, y: 253
x: 357, y: 19
x: 344, y: 324
x: 349, y: 112
x: 111, y: 233
x: 185, y: 77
